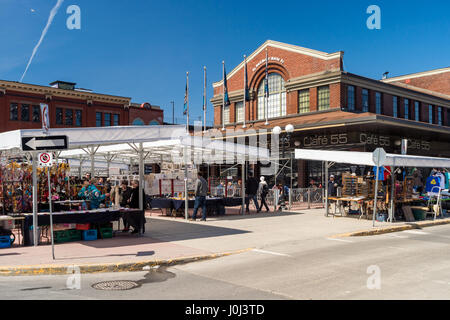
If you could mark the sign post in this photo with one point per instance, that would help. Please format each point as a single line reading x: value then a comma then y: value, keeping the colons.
x: 46, y: 160
x: 379, y: 158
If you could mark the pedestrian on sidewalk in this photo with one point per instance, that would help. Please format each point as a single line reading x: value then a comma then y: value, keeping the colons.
x: 251, y: 191
x: 133, y: 203
x: 263, y: 190
x: 125, y: 195
x: 201, y: 189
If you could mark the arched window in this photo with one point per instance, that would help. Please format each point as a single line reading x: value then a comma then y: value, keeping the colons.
x: 138, y: 122
x: 276, y: 104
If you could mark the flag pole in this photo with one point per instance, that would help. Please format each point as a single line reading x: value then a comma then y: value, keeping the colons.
x: 204, y: 100
x: 245, y: 88
x: 223, y: 99
x: 187, y: 100
x: 266, y: 95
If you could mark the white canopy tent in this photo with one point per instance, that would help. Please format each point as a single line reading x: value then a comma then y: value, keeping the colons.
x: 154, y: 144
x: 366, y: 158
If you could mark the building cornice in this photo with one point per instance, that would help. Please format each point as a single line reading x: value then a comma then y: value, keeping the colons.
x: 283, y: 46
x: 55, y: 92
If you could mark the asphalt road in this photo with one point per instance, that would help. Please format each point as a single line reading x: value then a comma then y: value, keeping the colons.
x: 406, y: 265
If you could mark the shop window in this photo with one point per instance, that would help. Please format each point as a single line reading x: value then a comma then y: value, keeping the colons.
x: 440, y: 116
x: 351, y: 98
x: 36, y: 114
x: 98, y: 119
x: 303, y: 101
x: 276, y: 102
x: 13, y: 111
x: 417, y: 110
x: 226, y: 115
x: 78, y: 118
x: 323, y: 98
x: 406, y: 105
x: 116, y: 120
x: 69, y: 117
x: 395, y: 107
x: 107, y: 119
x: 240, y: 111
x: 365, y: 100
x: 430, y: 114
x: 378, y: 103
x: 25, y: 112
x: 59, y: 116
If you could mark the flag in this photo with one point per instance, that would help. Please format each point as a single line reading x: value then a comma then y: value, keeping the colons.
x: 225, y: 87
x: 186, y: 99
x: 246, y: 91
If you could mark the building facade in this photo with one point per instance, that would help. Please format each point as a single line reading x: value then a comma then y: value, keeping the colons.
x: 68, y: 107
x: 331, y: 108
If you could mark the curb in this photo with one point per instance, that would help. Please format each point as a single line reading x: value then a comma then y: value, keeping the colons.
x: 377, y: 231
x: 109, y: 267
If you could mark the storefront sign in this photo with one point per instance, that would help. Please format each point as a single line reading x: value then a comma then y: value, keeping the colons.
x: 264, y: 61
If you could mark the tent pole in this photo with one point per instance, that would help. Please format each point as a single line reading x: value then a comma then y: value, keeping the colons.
x: 35, y: 201
x: 243, y: 188
x: 392, y: 213
x: 92, y: 164
x: 186, y: 202
x: 375, y: 197
x: 326, y: 188
x: 141, y: 176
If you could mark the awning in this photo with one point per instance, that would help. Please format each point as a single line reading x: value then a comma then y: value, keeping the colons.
x: 366, y: 158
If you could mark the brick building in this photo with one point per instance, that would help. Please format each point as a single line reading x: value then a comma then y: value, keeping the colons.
x: 69, y: 107
x: 331, y: 108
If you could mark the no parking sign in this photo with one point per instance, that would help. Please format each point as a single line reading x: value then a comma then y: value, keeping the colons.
x: 45, y: 159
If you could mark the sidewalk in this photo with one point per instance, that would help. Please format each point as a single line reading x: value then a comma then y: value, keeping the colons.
x: 174, y: 239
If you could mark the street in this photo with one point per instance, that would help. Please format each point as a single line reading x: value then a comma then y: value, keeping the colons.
x: 410, y: 264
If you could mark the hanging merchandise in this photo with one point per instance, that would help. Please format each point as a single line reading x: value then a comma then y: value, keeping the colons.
x: 380, y: 173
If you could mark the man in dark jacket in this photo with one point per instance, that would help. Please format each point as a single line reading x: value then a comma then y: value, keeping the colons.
x: 201, y: 190
x: 251, y: 191
x: 332, y: 187
x: 134, y: 204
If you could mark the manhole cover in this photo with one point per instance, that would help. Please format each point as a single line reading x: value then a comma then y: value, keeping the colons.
x: 115, y: 285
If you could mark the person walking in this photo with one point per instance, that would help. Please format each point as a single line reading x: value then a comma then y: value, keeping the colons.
x: 263, y: 190
x: 251, y: 191
x: 201, y: 189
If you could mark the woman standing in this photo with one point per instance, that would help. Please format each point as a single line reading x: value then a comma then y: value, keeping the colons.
x: 263, y: 189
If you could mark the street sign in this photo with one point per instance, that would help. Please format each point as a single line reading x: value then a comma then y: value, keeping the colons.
x: 379, y: 157
x: 44, y: 143
x: 45, y: 159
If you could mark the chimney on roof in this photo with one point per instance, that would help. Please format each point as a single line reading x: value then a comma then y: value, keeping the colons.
x: 63, y: 85
x: 385, y: 75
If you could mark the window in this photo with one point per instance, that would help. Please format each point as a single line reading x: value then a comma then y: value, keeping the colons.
x: 107, y: 119
x: 417, y: 110
x: 36, y: 115
x: 69, y: 117
x: 440, y: 116
x: 395, y: 107
x: 25, y: 112
x: 98, y: 119
x: 78, y: 118
x: 303, y: 101
x: 276, y: 102
x: 240, y: 111
x: 323, y: 94
x: 14, y: 111
x: 406, y: 108
x: 430, y: 114
x: 116, y: 120
x: 365, y: 100
x: 378, y: 103
x: 59, y: 116
x: 226, y: 115
x: 351, y: 98
x: 448, y: 117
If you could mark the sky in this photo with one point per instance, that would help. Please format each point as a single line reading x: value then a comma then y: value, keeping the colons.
x: 142, y: 49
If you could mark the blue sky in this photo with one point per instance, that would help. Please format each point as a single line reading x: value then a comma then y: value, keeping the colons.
x: 143, y: 48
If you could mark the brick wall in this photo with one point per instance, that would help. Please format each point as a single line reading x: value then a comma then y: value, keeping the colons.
x: 439, y: 82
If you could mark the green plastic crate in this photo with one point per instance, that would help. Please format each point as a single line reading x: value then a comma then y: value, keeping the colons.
x: 61, y: 236
x: 106, y: 233
x: 419, y: 213
x: 75, y: 235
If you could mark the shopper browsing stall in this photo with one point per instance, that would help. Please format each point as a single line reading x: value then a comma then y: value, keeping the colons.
x: 91, y: 193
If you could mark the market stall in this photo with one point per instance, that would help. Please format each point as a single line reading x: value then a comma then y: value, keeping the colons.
x: 134, y: 144
x: 396, y: 190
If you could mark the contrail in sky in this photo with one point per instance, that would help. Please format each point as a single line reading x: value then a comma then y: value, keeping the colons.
x: 44, y: 32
